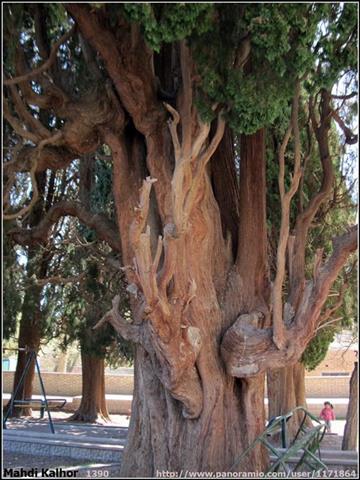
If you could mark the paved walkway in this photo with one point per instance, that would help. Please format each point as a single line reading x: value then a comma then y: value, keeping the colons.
x: 116, y: 429
x: 110, y: 433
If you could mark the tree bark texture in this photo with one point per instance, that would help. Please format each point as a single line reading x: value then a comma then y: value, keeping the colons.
x: 286, y: 391
x: 202, y: 418
x: 93, y: 402
x: 350, y: 440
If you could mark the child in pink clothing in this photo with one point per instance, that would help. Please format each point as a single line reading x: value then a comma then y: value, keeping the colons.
x: 327, y: 414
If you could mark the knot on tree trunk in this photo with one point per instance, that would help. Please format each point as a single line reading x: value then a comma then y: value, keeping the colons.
x: 248, y: 350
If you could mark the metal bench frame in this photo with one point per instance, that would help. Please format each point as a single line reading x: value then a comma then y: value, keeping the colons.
x: 29, y: 402
x: 306, y: 441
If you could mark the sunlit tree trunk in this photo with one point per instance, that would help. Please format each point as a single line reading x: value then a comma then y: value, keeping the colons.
x: 93, y: 402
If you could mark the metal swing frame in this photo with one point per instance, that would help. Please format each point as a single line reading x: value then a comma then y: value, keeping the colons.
x: 44, y: 402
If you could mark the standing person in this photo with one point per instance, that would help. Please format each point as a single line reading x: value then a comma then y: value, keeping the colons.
x: 327, y: 414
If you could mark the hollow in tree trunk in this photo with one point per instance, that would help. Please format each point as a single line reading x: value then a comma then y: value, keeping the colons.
x: 350, y: 440
x: 93, y: 402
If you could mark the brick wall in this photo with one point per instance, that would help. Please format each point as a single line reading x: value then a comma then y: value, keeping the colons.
x: 336, y: 360
x: 69, y: 385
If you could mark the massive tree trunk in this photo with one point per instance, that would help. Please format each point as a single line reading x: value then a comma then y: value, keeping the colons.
x: 93, y: 402
x: 203, y: 420
x: 202, y: 322
x: 286, y: 391
x: 350, y: 440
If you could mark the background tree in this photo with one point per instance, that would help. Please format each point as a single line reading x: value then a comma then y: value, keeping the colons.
x: 207, y: 323
x: 92, y: 297
x: 81, y: 305
x: 32, y: 321
x: 351, y: 427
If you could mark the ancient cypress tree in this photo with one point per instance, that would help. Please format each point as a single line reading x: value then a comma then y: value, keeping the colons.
x: 168, y: 87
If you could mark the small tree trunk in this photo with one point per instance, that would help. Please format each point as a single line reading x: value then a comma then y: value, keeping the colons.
x: 286, y: 391
x: 93, y: 403
x: 351, y: 426
x: 29, y: 336
x: 26, y: 389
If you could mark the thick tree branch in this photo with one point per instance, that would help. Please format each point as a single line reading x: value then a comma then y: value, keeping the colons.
x: 52, y: 157
x: 17, y: 125
x: 35, y: 125
x: 125, y: 329
x: 248, y: 350
x: 305, y: 218
x: 46, y: 65
x: 105, y: 229
x: 135, y: 82
x: 350, y: 137
x: 285, y: 197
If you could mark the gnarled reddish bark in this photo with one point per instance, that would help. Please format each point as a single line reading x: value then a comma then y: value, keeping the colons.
x: 190, y: 412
